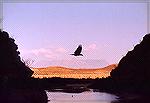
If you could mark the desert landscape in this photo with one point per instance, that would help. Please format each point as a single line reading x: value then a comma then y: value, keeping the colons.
x: 63, y: 72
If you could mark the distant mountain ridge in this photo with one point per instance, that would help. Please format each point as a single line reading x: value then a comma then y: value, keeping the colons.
x: 63, y: 72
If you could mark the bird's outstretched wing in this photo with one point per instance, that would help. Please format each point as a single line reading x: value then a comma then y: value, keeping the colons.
x: 78, y: 50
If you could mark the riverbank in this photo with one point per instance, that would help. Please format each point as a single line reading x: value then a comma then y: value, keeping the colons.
x: 132, y: 98
x: 23, y: 96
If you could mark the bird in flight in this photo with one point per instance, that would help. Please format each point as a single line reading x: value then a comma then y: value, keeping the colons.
x: 78, y: 51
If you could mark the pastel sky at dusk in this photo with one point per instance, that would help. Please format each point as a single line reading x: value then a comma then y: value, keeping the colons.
x: 49, y: 32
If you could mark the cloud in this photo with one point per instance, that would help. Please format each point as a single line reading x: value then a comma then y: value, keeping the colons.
x: 40, y: 51
x: 91, y: 47
x: 61, y: 50
x: 49, y: 53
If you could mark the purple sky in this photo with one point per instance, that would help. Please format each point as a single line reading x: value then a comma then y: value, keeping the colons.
x: 48, y: 32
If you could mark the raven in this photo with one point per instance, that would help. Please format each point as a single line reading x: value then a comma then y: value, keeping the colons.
x: 78, y: 51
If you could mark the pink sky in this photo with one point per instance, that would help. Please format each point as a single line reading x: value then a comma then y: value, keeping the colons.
x: 47, y: 32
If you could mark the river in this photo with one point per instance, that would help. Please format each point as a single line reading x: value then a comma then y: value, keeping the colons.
x: 84, y: 97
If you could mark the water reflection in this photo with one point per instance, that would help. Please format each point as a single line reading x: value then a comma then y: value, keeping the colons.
x: 84, y: 97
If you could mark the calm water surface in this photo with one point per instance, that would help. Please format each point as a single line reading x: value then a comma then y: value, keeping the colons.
x: 84, y: 97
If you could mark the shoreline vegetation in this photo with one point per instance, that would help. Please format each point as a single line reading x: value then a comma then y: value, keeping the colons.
x: 130, y: 80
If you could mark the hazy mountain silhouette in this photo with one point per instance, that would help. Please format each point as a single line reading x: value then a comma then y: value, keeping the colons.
x: 73, y: 63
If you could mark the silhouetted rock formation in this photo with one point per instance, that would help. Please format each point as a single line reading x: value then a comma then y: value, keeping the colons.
x: 134, y: 68
x: 15, y: 76
x: 10, y: 64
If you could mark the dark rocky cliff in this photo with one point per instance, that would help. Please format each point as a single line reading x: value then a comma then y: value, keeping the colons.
x: 11, y: 65
x: 15, y: 76
x: 134, y: 68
